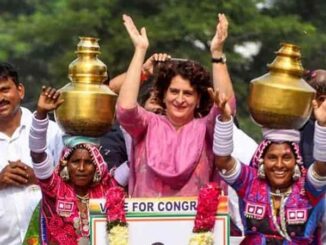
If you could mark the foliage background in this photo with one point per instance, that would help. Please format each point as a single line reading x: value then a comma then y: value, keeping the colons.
x: 39, y: 37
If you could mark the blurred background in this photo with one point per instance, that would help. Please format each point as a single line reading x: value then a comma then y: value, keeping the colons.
x: 40, y: 37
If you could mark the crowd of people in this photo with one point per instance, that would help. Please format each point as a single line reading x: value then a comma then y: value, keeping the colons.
x: 276, y: 194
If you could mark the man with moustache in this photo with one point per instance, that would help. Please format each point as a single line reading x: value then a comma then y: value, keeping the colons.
x: 19, y: 193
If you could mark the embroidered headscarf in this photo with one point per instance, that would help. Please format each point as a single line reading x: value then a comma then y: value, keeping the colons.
x: 290, y: 136
x: 81, y: 142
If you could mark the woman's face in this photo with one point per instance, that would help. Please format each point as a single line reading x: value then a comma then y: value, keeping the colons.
x: 279, y: 162
x: 151, y: 104
x: 81, y: 168
x: 180, y: 100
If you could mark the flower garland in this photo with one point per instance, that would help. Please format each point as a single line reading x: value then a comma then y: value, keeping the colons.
x: 117, y: 229
x: 205, y: 218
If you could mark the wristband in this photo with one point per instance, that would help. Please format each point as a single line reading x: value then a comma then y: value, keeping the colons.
x: 223, y: 137
x: 221, y: 59
x: 44, y: 170
x: 319, y: 152
x: 37, y: 134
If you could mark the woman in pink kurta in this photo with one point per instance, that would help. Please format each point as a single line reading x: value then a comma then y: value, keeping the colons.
x: 172, y: 153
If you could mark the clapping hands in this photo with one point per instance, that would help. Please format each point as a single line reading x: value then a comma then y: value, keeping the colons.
x: 139, y: 39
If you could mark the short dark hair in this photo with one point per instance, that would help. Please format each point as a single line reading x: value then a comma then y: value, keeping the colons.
x: 145, y: 92
x: 8, y: 71
x: 317, y: 80
x: 197, y: 75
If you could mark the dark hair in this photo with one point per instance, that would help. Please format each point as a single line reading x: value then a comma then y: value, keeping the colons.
x: 197, y: 75
x: 317, y: 80
x: 145, y: 92
x: 8, y: 71
x: 81, y: 147
x: 289, y: 143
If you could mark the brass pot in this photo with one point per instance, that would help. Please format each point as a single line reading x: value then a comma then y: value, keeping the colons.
x: 88, y: 107
x: 281, y: 98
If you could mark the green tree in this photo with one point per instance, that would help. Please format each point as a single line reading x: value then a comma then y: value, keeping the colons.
x: 40, y: 37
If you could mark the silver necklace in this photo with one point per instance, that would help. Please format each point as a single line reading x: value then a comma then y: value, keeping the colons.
x: 83, y: 199
x: 281, y: 230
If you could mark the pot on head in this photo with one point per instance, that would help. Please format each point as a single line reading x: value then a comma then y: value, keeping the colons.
x: 281, y: 98
x: 89, y: 105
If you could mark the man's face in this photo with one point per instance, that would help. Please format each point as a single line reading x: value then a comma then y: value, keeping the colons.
x: 11, y: 96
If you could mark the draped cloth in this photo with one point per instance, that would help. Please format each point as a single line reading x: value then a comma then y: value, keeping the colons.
x: 167, y: 161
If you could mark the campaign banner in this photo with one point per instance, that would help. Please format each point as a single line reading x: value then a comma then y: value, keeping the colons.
x: 159, y: 221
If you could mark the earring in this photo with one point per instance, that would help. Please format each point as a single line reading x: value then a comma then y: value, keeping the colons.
x: 261, y: 171
x: 296, y: 173
x: 64, y: 174
x: 97, y: 177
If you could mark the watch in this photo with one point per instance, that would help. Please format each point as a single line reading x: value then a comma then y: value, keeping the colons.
x: 221, y: 59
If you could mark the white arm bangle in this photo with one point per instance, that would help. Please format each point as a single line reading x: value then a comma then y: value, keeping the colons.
x: 317, y: 181
x: 231, y: 176
x: 121, y: 174
x: 319, y: 151
x: 223, y: 140
x: 44, y: 170
x: 40, y: 123
x: 37, y: 134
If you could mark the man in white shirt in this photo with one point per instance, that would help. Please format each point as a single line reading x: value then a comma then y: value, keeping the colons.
x: 19, y: 193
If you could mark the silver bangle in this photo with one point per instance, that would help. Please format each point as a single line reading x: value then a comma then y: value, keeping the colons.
x: 223, y: 137
x: 319, y: 151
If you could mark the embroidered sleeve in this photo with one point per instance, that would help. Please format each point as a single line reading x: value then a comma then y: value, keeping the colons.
x: 231, y: 176
x: 315, y: 188
x: 50, y: 185
x: 242, y: 183
x: 316, y: 217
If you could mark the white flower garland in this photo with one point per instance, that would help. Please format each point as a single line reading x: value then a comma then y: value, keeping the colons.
x: 203, y: 238
x: 118, y: 235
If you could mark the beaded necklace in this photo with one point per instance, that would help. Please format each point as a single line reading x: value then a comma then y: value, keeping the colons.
x: 284, y: 196
x: 81, y: 223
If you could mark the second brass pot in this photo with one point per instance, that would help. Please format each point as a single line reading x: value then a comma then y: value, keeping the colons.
x: 281, y: 98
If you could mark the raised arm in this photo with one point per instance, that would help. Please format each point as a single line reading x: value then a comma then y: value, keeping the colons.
x: 127, y: 98
x: 146, y: 72
x: 221, y: 78
x: 223, y: 134
x: 320, y: 138
x: 49, y: 100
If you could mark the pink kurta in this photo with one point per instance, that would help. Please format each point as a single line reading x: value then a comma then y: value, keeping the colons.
x: 166, y: 161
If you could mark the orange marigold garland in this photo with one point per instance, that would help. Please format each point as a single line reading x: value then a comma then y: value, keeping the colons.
x: 117, y: 228
x: 205, y: 217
